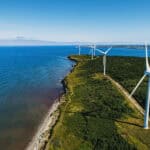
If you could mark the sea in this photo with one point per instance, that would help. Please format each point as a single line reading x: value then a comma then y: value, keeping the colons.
x: 30, y: 82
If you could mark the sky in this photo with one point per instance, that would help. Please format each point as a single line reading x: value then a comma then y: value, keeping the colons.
x: 76, y: 20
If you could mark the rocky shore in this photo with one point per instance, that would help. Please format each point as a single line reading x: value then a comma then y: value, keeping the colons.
x: 40, y: 140
x: 42, y: 135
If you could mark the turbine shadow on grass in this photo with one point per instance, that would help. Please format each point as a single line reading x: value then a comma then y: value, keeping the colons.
x: 129, y: 123
x: 89, y: 113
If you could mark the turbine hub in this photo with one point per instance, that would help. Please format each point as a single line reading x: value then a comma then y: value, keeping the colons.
x: 147, y: 72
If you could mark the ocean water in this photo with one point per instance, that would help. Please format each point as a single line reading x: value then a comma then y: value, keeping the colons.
x: 30, y: 81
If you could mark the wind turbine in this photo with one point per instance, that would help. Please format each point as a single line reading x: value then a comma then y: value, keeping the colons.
x: 146, y: 73
x: 79, y: 48
x: 104, y: 57
x: 92, y: 51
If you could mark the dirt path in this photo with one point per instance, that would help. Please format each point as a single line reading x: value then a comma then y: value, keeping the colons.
x: 126, y: 94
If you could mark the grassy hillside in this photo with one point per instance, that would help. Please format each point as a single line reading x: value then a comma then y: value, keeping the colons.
x: 95, y: 114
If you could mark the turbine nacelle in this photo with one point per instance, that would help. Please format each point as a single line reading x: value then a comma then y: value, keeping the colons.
x: 147, y: 62
x: 104, y: 52
x: 92, y: 46
x: 147, y: 72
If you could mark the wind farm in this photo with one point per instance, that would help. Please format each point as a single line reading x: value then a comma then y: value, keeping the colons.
x: 93, y: 51
x: 102, y: 103
x: 146, y: 73
x: 97, y: 104
x: 74, y: 75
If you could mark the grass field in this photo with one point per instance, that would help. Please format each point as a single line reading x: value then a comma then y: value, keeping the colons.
x: 128, y: 71
x: 95, y: 114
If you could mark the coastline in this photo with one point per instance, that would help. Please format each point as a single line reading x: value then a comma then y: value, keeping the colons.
x: 40, y: 138
x: 43, y: 133
x: 67, y: 125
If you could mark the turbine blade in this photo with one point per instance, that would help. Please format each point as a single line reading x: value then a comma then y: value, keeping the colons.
x: 146, y: 52
x: 108, y: 50
x: 134, y: 90
x: 100, y: 51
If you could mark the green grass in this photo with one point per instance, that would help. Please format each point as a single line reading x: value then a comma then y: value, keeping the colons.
x: 96, y: 115
x: 128, y: 71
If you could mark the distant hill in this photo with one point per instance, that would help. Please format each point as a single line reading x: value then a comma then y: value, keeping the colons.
x: 21, y: 41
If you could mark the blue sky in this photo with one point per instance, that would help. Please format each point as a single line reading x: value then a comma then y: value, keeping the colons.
x: 76, y: 20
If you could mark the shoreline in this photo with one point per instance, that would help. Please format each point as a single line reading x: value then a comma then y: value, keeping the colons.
x: 43, y: 133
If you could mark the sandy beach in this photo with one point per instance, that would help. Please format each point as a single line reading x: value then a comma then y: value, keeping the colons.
x: 43, y: 132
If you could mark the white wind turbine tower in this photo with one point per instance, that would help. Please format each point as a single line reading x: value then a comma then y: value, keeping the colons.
x: 146, y: 73
x: 92, y: 51
x: 79, y: 48
x: 104, y: 56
